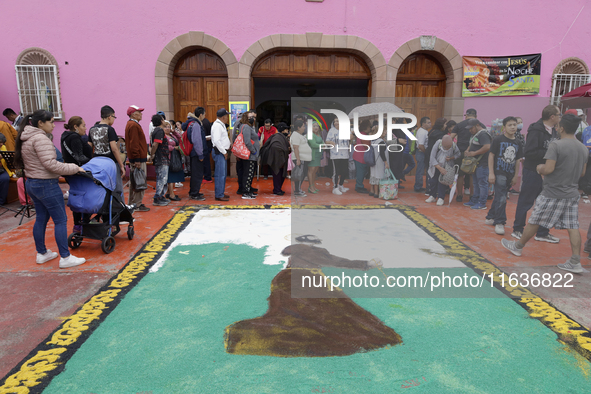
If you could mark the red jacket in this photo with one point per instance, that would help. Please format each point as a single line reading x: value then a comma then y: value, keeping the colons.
x: 268, y: 133
x: 135, y: 142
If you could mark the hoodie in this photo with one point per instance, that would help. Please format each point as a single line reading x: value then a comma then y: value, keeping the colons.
x: 40, y: 158
x: 73, y: 149
x: 536, y: 144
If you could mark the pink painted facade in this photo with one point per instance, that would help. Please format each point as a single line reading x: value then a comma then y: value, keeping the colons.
x: 112, y: 47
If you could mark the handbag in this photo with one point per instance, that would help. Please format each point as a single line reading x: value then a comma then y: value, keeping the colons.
x: 388, y: 186
x: 469, y: 164
x: 369, y: 157
x: 450, y: 174
x: 138, y: 179
x: 297, y: 173
x: 239, y: 148
x: 176, y: 162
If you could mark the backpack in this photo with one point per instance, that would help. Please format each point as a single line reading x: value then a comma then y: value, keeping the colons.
x: 369, y: 157
x: 185, y: 142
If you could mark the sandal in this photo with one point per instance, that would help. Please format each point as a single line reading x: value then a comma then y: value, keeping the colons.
x: 313, y: 192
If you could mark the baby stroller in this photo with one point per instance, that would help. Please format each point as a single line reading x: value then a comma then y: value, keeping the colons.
x: 94, y: 193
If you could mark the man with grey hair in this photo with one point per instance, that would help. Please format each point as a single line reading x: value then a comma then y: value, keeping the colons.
x: 444, y: 151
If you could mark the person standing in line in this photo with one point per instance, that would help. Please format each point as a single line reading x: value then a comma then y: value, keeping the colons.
x: 239, y: 162
x: 196, y: 135
x: 479, y: 147
x: 266, y: 131
x: 36, y: 154
x: 137, y: 153
x: 174, y: 178
x: 301, y: 154
x: 435, y: 134
x: 462, y: 136
x: 275, y: 154
x: 558, y: 204
x: 422, y: 145
x: 361, y: 168
x: 444, y: 151
x: 539, y: 135
x: 377, y: 172
x: 314, y: 164
x: 103, y: 138
x: 77, y: 152
x: 160, y: 157
x: 504, y: 158
x: 339, y: 155
x: 206, y: 126
x: 221, y: 144
x: 251, y: 140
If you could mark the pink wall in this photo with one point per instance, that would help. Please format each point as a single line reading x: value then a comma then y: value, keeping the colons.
x: 112, y: 46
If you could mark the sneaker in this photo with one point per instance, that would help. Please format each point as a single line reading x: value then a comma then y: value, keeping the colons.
x: 199, y: 197
x: 489, y: 222
x: 159, y: 203
x: 206, y: 181
x: 363, y: 191
x: 460, y: 198
x: 44, y: 258
x: 500, y: 229
x: 240, y: 191
x: 511, y: 246
x: 337, y: 191
x: 469, y: 204
x: 516, y: 234
x: 548, y: 238
x: 178, y: 184
x: 343, y: 189
x: 142, y: 208
x: 66, y: 195
x: 248, y: 196
x: 77, y: 228
x: 300, y: 194
x: 430, y: 199
x: 440, y: 202
x: 71, y: 261
x: 467, y: 192
x: 568, y: 266
x: 254, y: 190
x: 478, y: 206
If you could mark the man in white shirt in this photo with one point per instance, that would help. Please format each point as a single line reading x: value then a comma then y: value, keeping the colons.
x: 422, y: 142
x: 221, y: 144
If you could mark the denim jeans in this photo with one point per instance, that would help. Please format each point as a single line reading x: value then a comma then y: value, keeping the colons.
x: 530, y: 190
x: 480, y: 179
x: 161, y: 180
x: 420, y: 170
x: 497, y: 210
x: 220, y: 172
x: 360, y: 171
x: 409, y: 161
x: 49, y: 202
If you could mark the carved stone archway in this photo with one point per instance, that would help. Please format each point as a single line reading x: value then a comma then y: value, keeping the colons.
x: 451, y: 61
x: 240, y: 85
x: 173, y: 51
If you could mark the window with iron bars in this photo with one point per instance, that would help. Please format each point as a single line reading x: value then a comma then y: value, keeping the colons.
x: 565, y: 83
x: 38, y: 88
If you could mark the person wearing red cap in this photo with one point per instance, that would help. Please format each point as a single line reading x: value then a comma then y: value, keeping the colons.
x: 137, y: 153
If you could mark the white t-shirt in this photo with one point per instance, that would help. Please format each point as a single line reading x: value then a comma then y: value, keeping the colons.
x: 304, y: 149
x: 422, y: 137
x: 343, y: 145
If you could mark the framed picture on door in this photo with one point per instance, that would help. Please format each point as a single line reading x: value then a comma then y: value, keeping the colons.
x: 237, y: 108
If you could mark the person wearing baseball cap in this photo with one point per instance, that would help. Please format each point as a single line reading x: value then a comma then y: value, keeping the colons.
x: 137, y: 153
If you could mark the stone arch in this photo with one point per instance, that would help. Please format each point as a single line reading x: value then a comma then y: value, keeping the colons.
x: 36, y: 56
x: 173, y: 51
x: 452, y: 64
x: 240, y: 84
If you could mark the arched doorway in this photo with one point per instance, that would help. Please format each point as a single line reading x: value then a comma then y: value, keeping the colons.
x: 421, y: 76
x: 200, y: 79
x: 280, y: 75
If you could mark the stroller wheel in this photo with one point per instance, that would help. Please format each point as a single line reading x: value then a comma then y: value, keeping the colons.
x: 74, y: 240
x: 130, y: 232
x: 108, y: 245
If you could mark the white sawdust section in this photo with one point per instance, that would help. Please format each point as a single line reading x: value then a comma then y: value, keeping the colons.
x: 258, y: 228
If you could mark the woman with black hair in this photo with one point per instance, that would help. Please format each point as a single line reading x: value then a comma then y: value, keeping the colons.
x: 36, y: 154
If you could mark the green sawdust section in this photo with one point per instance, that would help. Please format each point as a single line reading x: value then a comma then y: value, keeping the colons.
x: 166, y: 336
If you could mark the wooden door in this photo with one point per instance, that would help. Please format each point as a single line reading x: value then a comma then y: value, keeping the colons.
x: 420, y: 86
x: 200, y: 80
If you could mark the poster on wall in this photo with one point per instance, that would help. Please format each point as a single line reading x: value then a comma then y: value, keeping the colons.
x: 237, y: 108
x: 501, y: 76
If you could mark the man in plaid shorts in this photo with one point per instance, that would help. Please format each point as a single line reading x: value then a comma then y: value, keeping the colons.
x: 558, y: 204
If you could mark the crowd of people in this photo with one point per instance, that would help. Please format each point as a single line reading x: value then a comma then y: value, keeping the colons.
x: 480, y: 164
